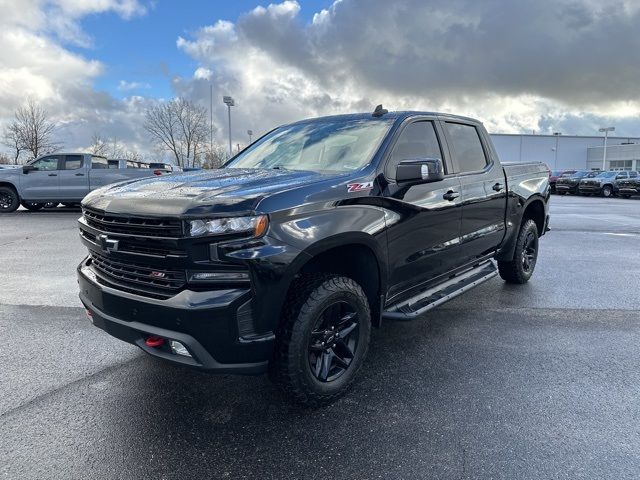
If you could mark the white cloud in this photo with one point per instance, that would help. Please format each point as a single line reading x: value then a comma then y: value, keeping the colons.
x: 35, y: 63
x: 125, y: 86
x: 518, y: 66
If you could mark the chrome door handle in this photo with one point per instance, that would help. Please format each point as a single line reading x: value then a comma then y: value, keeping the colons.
x: 450, y: 195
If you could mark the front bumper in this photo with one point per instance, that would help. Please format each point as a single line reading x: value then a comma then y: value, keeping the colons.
x: 590, y: 188
x: 628, y: 191
x: 561, y: 187
x: 205, y: 322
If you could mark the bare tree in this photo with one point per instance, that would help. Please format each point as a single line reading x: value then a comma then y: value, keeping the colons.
x: 34, y: 129
x: 12, y: 139
x: 99, y: 145
x: 4, y: 160
x: 216, y: 157
x: 180, y: 127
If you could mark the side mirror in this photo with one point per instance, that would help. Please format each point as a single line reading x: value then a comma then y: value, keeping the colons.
x: 420, y: 170
x: 28, y: 168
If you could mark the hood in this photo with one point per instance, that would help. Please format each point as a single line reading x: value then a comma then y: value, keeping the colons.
x: 227, y: 190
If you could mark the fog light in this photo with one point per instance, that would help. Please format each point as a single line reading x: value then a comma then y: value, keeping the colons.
x: 179, y: 349
x: 218, y: 276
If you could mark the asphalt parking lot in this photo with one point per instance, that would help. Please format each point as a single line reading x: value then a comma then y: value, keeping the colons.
x: 535, y: 381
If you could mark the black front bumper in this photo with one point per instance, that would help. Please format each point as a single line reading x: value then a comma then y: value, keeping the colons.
x: 205, y: 322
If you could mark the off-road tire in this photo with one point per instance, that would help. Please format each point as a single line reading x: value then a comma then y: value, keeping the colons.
x: 289, y: 367
x: 607, y: 191
x: 13, y: 200
x: 514, y: 271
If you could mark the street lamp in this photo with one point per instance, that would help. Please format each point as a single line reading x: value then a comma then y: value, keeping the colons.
x: 250, y: 133
x: 229, y: 102
x: 606, y: 131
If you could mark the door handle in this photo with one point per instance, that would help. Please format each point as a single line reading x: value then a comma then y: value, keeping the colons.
x: 53, y: 174
x: 79, y: 174
x: 497, y: 187
x: 450, y: 195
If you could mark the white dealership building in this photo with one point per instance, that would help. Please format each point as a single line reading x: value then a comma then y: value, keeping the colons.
x: 564, y: 152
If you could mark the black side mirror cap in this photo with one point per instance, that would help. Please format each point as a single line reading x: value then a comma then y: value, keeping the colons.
x: 420, y: 170
x: 28, y: 168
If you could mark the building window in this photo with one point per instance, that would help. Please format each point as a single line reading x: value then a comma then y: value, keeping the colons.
x: 621, y: 165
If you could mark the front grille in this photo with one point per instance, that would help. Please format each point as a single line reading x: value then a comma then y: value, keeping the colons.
x: 139, y: 246
x: 139, y: 226
x: 140, y: 279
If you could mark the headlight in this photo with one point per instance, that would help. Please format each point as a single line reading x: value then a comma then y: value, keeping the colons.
x: 255, y: 226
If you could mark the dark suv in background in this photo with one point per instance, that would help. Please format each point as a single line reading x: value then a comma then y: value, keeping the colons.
x: 554, y: 175
x: 568, y: 183
x: 627, y: 185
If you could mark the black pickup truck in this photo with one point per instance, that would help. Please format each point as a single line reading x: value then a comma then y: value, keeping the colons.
x: 284, y: 259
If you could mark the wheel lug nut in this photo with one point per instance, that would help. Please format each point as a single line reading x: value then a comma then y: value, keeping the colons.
x: 333, y: 346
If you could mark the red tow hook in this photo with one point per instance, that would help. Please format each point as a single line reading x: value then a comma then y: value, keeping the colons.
x: 154, y: 341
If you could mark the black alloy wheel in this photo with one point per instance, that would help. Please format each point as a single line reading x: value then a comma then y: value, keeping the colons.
x: 333, y: 342
x: 530, y: 251
x: 9, y: 201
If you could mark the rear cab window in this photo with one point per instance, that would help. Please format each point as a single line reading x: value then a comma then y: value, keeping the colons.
x: 467, y: 147
x: 72, y: 162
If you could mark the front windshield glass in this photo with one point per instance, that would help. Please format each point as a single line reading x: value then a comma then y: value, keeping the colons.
x: 578, y: 174
x: 607, y: 174
x: 593, y: 174
x: 331, y: 146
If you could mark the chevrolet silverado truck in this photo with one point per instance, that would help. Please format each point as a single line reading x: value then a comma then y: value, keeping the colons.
x: 283, y: 260
x: 63, y: 178
x: 626, y: 187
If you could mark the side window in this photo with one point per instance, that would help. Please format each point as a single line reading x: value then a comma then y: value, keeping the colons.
x: 417, y: 140
x: 633, y: 174
x: 72, y: 162
x: 467, y: 147
x: 47, y: 163
x: 99, y: 163
x: 113, y: 164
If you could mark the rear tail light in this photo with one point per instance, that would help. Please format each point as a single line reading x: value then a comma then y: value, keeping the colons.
x: 154, y: 342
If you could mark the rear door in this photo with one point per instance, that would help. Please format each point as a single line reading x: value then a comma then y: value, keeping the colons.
x: 483, y: 189
x: 42, y: 183
x: 73, y: 178
x: 423, y: 220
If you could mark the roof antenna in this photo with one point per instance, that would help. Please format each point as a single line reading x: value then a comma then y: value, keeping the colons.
x: 379, y: 111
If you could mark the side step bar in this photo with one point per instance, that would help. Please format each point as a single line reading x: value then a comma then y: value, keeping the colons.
x: 435, y: 296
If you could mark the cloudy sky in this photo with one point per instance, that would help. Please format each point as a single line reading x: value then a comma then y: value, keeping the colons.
x: 518, y: 65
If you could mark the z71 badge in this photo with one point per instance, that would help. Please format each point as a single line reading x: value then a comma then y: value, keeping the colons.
x: 359, y: 187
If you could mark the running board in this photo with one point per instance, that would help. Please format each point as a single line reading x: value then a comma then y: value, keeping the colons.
x: 435, y: 296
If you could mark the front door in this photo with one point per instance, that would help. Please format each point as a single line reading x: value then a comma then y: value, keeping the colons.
x: 42, y: 183
x: 423, y: 220
x: 484, y: 190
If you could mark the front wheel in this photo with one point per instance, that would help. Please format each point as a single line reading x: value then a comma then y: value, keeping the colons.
x: 607, y: 191
x: 9, y: 200
x: 520, y: 268
x: 323, y: 339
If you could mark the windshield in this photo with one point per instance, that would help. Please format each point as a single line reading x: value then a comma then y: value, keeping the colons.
x: 607, y: 174
x: 593, y: 174
x: 322, y: 146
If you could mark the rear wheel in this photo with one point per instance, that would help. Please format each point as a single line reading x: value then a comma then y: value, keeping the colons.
x: 9, y: 200
x: 607, y: 191
x: 520, y: 268
x: 32, y: 207
x: 323, y: 339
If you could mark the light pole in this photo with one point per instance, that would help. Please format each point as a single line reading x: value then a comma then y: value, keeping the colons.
x: 606, y: 131
x: 229, y: 103
x: 250, y: 133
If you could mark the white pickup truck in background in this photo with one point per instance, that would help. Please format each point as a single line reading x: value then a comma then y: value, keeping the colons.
x: 65, y: 178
